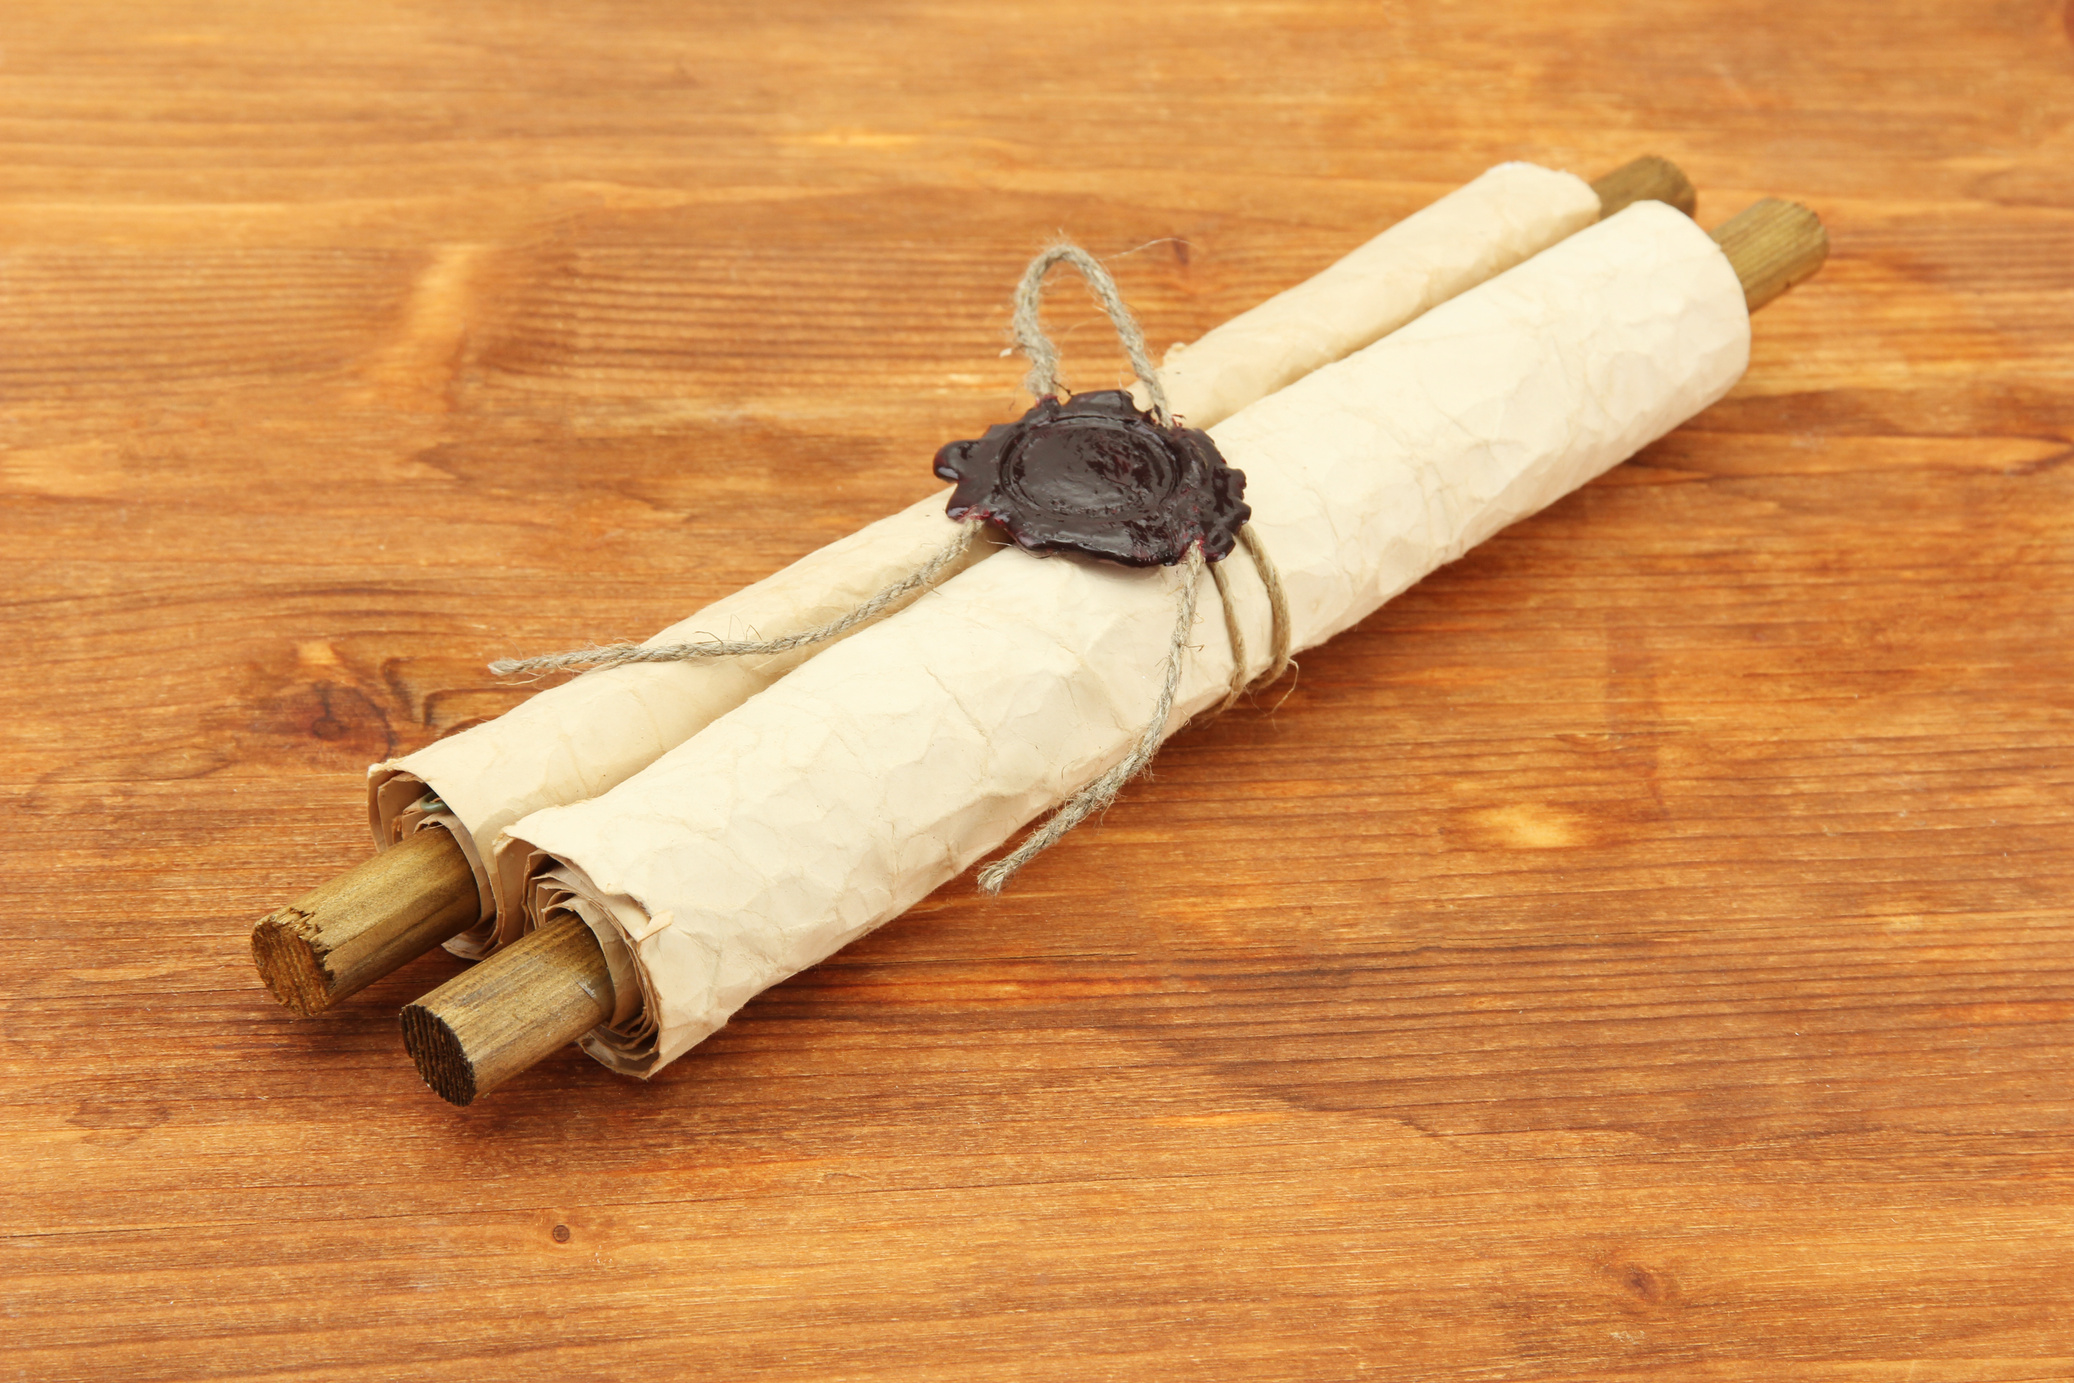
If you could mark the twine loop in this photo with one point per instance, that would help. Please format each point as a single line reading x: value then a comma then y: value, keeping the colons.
x: 1028, y: 328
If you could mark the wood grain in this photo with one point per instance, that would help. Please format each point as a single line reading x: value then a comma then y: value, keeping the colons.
x: 1641, y: 951
x: 497, y: 1019
x: 1773, y: 245
x: 370, y: 921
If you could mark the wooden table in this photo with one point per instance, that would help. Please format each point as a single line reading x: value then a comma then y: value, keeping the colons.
x: 1643, y: 950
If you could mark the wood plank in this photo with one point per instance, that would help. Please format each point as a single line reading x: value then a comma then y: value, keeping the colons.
x: 1642, y: 950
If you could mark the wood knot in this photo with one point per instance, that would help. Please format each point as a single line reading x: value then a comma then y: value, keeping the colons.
x: 1642, y: 1287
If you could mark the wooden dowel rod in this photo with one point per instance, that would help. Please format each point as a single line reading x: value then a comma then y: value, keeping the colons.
x: 491, y: 1022
x: 1647, y: 179
x: 482, y: 1028
x: 1773, y: 245
x: 342, y: 936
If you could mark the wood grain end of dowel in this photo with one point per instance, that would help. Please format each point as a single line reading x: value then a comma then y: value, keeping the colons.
x: 375, y: 918
x: 1649, y: 178
x: 1773, y: 245
x: 491, y: 1022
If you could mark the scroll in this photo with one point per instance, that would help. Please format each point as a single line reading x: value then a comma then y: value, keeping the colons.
x: 448, y: 805
x: 886, y: 765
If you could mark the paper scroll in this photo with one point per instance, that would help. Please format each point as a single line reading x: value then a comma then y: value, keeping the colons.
x: 580, y: 739
x: 883, y: 767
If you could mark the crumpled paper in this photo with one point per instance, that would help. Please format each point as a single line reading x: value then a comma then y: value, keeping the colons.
x: 883, y: 767
x: 1472, y: 234
x: 580, y: 739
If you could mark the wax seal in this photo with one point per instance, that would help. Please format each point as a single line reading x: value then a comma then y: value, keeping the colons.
x: 1096, y: 476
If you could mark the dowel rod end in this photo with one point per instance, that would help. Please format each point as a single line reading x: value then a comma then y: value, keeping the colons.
x: 1773, y: 245
x: 489, y: 1023
x: 373, y: 919
x: 1650, y: 178
x: 287, y: 947
x: 439, y: 1055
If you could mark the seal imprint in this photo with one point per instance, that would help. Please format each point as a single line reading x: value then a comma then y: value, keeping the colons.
x: 1097, y: 476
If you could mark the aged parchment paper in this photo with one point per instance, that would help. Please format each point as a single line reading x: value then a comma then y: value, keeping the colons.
x: 840, y: 796
x: 580, y: 739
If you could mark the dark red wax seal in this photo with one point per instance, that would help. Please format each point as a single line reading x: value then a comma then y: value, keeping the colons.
x: 1094, y: 475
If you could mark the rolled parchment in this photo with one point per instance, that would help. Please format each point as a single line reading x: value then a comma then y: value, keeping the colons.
x: 577, y: 740
x: 886, y: 765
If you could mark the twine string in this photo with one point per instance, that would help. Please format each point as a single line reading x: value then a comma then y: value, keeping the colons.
x: 1278, y: 659
x: 614, y: 655
x: 1042, y: 381
x: 1097, y: 796
x: 1028, y: 328
x: 1238, y: 638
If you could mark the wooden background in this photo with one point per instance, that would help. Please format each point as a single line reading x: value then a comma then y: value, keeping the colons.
x: 1641, y: 951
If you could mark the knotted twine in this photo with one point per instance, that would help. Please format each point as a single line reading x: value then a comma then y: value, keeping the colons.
x: 1042, y: 381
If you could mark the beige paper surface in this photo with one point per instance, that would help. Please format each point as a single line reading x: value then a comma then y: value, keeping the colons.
x: 1473, y: 234
x: 839, y: 797
x: 579, y: 739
